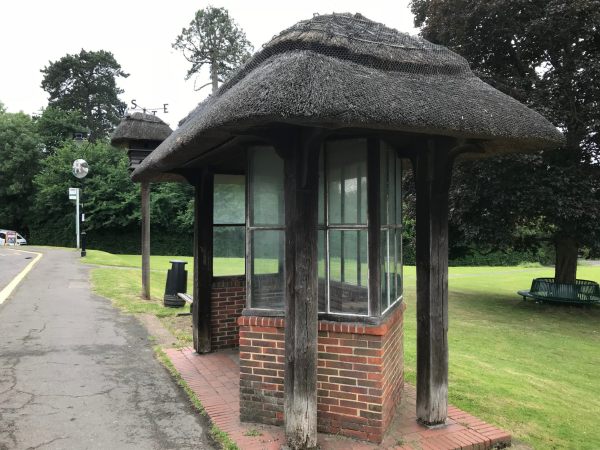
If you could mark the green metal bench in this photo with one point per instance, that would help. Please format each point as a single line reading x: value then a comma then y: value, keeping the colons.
x: 582, y: 292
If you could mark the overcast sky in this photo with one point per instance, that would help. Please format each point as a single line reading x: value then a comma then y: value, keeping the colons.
x: 140, y: 33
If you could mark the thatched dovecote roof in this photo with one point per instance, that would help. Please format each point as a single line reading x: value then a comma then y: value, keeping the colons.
x: 345, y: 71
x: 140, y: 127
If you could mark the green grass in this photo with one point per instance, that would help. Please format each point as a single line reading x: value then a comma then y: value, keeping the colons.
x: 222, y: 266
x: 531, y: 369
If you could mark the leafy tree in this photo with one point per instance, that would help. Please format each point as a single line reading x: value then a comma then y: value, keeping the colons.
x: 86, y: 82
x: 110, y: 199
x: 20, y: 155
x: 56, y: 126
x: 213, y: 39
x: 545, y: 53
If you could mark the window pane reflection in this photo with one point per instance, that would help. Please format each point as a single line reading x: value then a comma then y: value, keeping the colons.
x: 266, y: 187
x: 347, y: 181
x: 348, y: 291
x: 267, y: 274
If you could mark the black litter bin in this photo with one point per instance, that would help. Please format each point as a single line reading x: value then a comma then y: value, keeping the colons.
x: 176, y: 283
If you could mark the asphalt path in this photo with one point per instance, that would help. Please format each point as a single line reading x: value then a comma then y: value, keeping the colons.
x: 75, y: 373
x: 12, y: 262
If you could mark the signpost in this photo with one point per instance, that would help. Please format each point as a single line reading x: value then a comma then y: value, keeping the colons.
x: 80, y: 170
x: 74, y: 195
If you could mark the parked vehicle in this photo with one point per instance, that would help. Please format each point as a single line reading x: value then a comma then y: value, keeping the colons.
x: 9, y: 237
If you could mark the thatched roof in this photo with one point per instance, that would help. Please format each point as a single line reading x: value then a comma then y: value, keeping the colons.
x: 140, y: 127
x: 345, y: 71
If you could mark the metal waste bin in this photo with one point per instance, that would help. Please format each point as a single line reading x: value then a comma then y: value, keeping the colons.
x: 176, y: 283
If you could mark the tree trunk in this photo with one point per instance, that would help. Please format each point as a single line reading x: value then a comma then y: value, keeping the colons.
x: 214, y: 76
x: 566, y: 260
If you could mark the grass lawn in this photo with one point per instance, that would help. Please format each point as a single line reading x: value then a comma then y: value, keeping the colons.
x: 531, y: 369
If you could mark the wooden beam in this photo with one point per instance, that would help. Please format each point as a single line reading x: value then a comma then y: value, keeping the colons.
x: 433, y: 165
x: 203, y: 260
x: 374, y: 225
x: 145, y: 197
x: 301, y: 166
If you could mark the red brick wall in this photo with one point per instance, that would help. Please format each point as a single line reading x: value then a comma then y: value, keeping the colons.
x: 228, y: 299
x: 360, y: 374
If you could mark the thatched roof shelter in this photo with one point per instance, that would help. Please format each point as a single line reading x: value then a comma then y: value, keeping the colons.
x: 140, y: 127
x: 318, y: 125
x: 346, y: 71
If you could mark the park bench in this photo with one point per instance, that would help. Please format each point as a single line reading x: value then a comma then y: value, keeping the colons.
x: 582, y: 292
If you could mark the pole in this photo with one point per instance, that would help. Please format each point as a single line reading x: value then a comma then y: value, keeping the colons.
x: 82, y: 219
x: 145, y: 192
x: 77, y: 218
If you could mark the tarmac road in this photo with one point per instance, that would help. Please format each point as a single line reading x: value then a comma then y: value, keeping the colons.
x: 75, y: 373
x: 11, y: 264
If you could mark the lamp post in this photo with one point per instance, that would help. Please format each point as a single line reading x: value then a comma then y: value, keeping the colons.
x: 80, y: 170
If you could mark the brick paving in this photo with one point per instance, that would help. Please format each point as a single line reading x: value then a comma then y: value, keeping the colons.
x: 215, y: 380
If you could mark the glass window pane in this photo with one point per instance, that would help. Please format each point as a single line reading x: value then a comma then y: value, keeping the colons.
x: 321, y: 270
x: 391, y: 194
x: 267, y: 277
x: 347, y: 181
x: 399, y: 287
x: 383, y: 184
x: 348, y: 268
x: 385, y: 268
x: 398, y: 191
x: 230, y: 199
x: 393, y: 265
x: 266, y: 187
x: 229, y: 248
x: 321, y: 215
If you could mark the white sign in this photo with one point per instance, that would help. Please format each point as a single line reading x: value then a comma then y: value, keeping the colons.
x: 73, y: 193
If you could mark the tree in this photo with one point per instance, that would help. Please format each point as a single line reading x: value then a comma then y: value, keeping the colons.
x: 545, y: 53
x: 56, y: 126
x: 86, y: 83
x: 213, y: 39
x: 111, y: 200
x: 20, y: 155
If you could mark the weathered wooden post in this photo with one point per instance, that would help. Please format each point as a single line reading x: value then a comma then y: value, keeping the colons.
x: 140, y: 134
x: 301, y: 302
x: 145, y: 197
x: 432, y: 174
x: 203, y: 259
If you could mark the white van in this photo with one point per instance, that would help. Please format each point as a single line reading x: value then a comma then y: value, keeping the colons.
x: 8, y: 237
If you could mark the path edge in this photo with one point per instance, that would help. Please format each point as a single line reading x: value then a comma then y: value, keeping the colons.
x: 10, y: 287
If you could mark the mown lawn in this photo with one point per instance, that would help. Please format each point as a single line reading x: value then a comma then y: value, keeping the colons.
x: 531, y: 369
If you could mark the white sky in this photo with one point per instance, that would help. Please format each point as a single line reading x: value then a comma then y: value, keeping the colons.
x: 140, y: 33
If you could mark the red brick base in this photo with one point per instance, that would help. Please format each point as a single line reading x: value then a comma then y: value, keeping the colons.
x: 228, y: 299
x: 360, y: 374
x: 214, y: 378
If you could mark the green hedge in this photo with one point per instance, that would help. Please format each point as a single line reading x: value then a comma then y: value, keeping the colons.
x: 119, y: 241
x: 473, y: 257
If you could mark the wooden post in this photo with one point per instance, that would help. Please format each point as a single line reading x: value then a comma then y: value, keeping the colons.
x: 203, y: 256
x: 145, y: 194
x: 374, y: 226
x: 433, y: 167
x: 301, y: 165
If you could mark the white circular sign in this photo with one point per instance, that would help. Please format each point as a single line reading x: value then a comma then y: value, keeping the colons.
x: 80, y: 168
